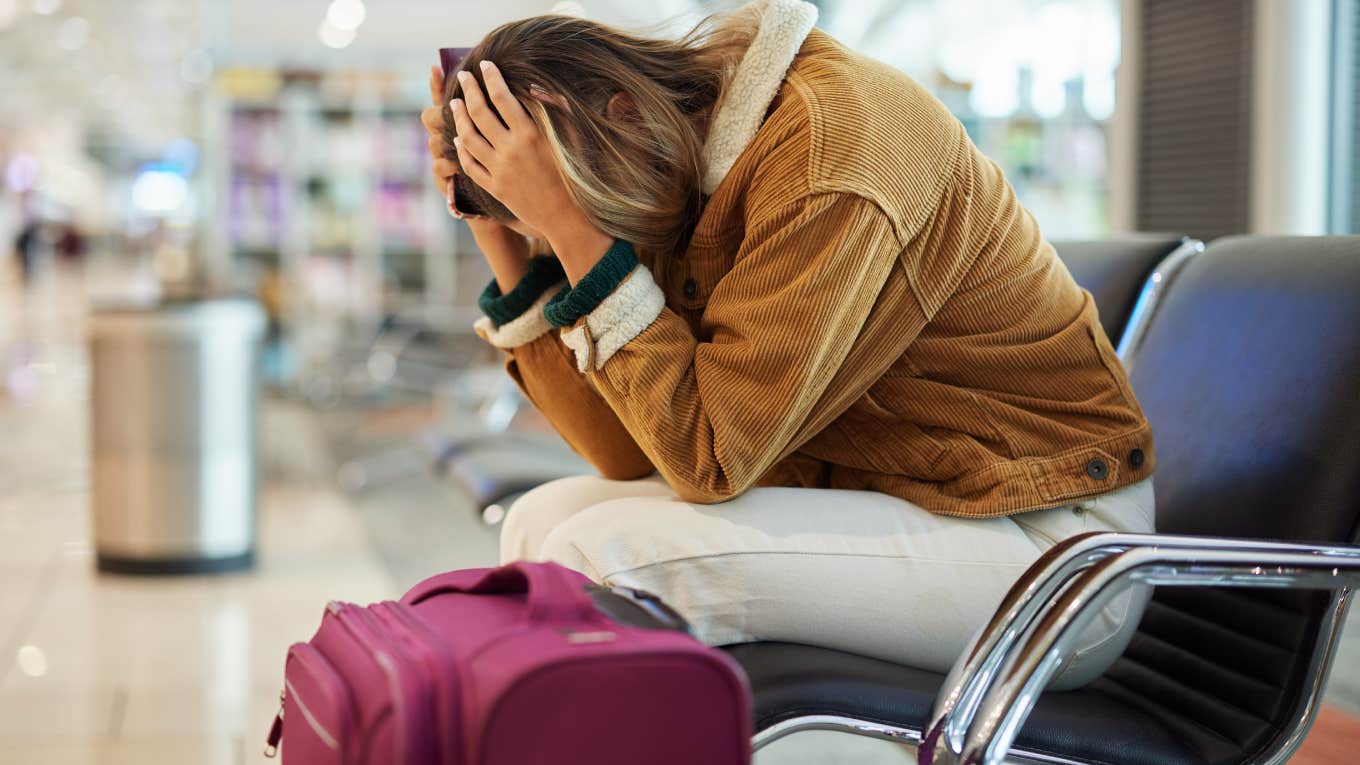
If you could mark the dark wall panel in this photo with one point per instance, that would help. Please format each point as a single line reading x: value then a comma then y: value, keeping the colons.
x: 1194, y: 124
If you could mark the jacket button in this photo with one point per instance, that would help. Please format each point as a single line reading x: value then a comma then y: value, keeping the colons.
x: 1097, y: 469
x: 1136, y: 458
x: 691, y: 288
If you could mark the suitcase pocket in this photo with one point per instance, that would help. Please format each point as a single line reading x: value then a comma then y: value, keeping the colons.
x: 318, y: 707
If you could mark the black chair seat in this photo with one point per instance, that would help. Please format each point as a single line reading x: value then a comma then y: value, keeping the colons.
x: 1101, y: 723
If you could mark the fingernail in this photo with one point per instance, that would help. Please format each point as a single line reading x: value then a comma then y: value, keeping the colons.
x: 487, y: 66
x: 464, y: 75
x: 455, y: 103
x: 457, y: 141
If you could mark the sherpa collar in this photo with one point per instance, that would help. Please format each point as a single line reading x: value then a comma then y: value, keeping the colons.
x: 783, y: 26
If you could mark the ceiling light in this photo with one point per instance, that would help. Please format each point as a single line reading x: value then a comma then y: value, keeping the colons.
x: 569, y: 8
x: 346, y: 15
x: 159, y: 191
x: 46, y: 7
x: 73, y: 34
x: 334, y: 37
x: 31, y: 660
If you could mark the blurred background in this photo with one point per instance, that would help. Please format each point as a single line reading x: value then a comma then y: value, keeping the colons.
x: 153, y: 151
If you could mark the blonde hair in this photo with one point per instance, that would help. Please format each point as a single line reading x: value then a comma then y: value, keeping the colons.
x: 638, y: 178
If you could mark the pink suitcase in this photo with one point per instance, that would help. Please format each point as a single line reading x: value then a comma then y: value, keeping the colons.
x: 506, y: 666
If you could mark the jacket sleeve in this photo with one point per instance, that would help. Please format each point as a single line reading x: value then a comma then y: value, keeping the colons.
x: 715, y: 414
x: 542, y: 368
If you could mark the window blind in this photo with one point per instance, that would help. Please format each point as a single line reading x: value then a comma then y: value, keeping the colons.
x: 1194, y: 123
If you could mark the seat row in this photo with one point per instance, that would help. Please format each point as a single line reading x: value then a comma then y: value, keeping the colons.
x: 1245, y: 356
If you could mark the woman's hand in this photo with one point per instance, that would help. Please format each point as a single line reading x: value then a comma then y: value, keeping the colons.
x: 509, y: 157
x: 506, y: 251
x: 433, y: 120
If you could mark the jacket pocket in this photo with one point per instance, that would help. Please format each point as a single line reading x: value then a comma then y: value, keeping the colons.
x: 692, y: 278
x: 870, y: 436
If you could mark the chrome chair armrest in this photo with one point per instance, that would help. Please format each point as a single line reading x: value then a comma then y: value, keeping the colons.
x: 1031, y: 595
x: 976, y: 667
x: 1021, y: 665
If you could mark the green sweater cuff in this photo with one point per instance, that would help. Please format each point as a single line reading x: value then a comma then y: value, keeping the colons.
x: 544, y: 271
x: 568, y: 306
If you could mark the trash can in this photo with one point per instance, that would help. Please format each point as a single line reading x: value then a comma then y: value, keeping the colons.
x: 173, y: 392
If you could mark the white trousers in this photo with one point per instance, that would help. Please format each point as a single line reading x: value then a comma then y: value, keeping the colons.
x: 856, y: 571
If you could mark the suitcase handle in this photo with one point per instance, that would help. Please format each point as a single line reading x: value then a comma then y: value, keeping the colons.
x: 553, y: 592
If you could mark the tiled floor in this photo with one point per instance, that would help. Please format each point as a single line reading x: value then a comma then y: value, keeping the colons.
x: 106, y: 669
x: 123, y: 669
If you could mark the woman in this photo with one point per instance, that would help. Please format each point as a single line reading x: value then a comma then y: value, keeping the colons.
x: 783, y: 279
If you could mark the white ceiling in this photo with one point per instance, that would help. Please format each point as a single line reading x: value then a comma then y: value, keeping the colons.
x: 127, y: 79
x: 395, y: 32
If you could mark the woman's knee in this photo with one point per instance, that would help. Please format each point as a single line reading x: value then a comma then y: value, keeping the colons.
x: 533, y: 516
x: 541, y: 510
x: 622, y: 534
x: 1104, y: 640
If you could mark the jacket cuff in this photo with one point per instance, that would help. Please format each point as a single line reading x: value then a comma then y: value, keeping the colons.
x: 599, y: 283
x: 619, y: 317
x: 544, y: 272
x: 525, y: 328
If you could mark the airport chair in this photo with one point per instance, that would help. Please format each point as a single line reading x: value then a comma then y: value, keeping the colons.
x: 1126, y: 275
x: 1250, y: 374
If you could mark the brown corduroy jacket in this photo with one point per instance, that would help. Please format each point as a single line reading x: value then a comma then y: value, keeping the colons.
x: 864, y: 305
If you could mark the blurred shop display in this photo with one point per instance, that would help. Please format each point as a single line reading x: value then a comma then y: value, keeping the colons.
x: 321, y: 170
x: 330, y: 214
x: 1033, y: 81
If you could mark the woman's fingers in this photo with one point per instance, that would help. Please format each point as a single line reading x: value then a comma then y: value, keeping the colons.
x: 433, y: 120
x: 438, y: 149
x: 509, y: 107
x: 488, y: 124
x: 443, y: 168
x: 436, y: 85
x: 469, y: 138
x: 462, y: 124
x: 474, y: 169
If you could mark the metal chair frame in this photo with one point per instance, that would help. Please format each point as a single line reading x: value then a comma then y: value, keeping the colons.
x: 999, y: 677
x: 997, y: 680
x: 1135, y: 327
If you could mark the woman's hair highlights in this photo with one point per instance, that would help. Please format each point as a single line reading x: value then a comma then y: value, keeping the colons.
x: 638, y: 178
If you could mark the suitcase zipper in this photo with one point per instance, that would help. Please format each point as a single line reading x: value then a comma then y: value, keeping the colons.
x: 271, y: 744
x: 446, y: 694
x: 366, y: 629
x: 348, y: 616
x: 426, y: 677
